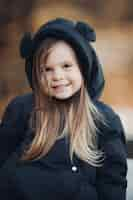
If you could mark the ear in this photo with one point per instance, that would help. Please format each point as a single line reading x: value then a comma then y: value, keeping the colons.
x: 86, y: 31
x: 26, y: 45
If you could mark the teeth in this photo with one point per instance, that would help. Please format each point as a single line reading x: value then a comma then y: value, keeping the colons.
x: 60, y: 85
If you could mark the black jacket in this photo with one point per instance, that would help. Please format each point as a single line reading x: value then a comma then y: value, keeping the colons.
x: 53, y: 176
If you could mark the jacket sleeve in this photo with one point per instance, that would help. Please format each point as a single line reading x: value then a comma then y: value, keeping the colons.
x: 111, y: 177
x: 11, y: 129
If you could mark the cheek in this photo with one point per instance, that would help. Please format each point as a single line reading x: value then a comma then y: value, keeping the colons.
x: 76, y: 82
x: 45, y: 79
x: 79, y: 82
x: 77, y: 77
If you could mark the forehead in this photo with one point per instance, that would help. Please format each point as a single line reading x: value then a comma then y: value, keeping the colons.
x: 61, y: 51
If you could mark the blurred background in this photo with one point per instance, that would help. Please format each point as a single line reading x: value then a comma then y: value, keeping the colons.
x: 113, y: 22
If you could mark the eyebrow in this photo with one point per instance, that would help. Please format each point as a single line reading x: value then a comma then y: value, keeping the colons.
x: 62, y: 63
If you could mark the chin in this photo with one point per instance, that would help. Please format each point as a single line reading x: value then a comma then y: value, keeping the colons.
x: 62, y: 98
x: 68, y: 96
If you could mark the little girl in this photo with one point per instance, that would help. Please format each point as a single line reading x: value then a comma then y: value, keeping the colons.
x: 60, y: 142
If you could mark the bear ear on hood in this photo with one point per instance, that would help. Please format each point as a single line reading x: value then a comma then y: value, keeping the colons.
x: 86, y: 31
x: 26, y: 45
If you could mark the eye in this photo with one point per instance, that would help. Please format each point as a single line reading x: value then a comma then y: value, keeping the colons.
x: 47, y: 69
x: 67, y: 65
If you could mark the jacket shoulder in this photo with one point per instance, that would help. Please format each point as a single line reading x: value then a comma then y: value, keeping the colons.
x: 14, y: 125
x: 22, y: 99
x: 26, y: 101
x: 112, y: 126
x: 17, y: 109
x: 105, y: 109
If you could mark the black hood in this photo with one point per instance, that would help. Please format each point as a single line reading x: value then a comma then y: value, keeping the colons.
x: 78, y: 35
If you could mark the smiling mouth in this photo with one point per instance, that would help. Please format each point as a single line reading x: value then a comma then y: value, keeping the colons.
x: 60, y: 87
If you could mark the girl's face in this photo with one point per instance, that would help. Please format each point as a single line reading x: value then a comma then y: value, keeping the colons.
x: 62, y: 77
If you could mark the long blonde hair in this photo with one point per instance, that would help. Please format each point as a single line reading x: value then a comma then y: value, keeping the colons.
x: 53, y: 119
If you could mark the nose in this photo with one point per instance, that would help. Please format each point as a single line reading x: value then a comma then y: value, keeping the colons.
x: 58, y: 75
